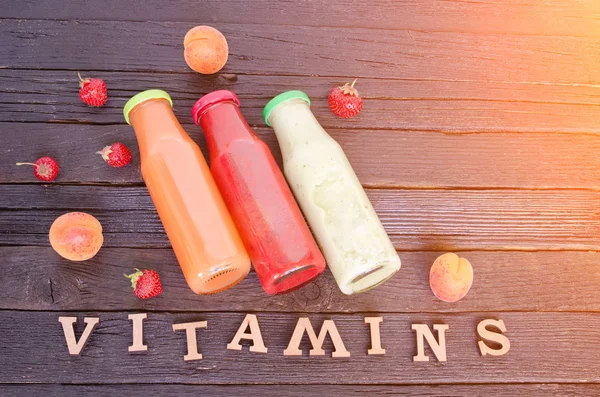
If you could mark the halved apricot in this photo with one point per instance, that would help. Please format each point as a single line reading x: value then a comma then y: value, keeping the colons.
x: 76, y: 236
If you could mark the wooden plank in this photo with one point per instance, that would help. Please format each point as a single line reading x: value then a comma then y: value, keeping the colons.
x: 415, y: 219
x: 554, y: 17
x: 302, y: 50
x: 546, y: 347
x: 380, y: 158
x: 450, y: 106
x: 35, y: 278
x: 120, y: 229
x: 179, y: 390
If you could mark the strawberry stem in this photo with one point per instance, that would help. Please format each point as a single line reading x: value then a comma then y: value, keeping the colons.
x: 354, y: 82
x: 105, y: 152
x: 80, y: 78
x: 27, y: 164
x: 134, y: 277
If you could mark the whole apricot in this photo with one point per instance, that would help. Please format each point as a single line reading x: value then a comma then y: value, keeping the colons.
x: 76, y: 236
x: 450, y: 277
x: 206, y: 49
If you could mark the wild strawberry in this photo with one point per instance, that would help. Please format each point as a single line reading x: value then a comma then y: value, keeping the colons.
x: 92, y: 91
x: 116, y: 155
x: 45, y: 168
x: 145, y: 283
x: 344, y: 101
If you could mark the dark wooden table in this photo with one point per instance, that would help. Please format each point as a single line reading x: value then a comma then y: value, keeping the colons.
x: 479, y: 135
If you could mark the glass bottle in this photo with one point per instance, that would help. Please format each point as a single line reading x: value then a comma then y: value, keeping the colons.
x: 349, y: 232
x: 282, y: 249
x: 200, y: 229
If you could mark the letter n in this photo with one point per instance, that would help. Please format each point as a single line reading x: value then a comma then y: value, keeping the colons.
x: 438, y: 347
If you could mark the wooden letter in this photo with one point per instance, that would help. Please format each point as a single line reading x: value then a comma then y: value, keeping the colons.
x: 74, y: 346
x: 190, y: 334
x: 258, y: 346
x: 328, y: 327
x: 438, y: 348
x: 138, y: 332
x: 486, y: 334
x: 375, y: 335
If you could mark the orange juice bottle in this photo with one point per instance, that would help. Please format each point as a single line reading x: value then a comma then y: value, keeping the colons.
x: 200, y: 229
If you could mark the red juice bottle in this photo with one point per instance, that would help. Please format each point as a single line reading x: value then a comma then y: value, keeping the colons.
x: 281, y: 247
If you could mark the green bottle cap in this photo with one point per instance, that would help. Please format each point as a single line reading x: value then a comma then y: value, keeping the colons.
x: 279, y: 99
x: 143, y: 97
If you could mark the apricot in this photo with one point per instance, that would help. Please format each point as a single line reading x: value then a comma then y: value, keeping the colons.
x: 450, y: 277
x: 206, y: 49
x: 76, y: 236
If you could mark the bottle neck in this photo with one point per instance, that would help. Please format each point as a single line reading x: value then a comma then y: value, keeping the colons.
x: 223, y: 123
x: 295, y: 124
x: 152, y: 121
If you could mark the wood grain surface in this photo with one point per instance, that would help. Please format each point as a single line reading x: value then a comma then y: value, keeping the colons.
x: 504, y: 281
x: 479, y: 135
x: 445, y: 106
x: 304, y: 50
x: 545, y: 347
x: 414, y: 219
x: 550, y: 17
x: 416, y: 159
x: 178, y: 390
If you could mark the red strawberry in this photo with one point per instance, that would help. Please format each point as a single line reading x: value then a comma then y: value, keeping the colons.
x: 116, y: 155
x: 145, y: 283
x: 344, y: 101
x: 45, y: 168
x: 92, y: 91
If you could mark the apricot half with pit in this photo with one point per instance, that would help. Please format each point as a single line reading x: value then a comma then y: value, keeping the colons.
x: 206, y: 49
x: 450, y: 277
x: 76, y: 236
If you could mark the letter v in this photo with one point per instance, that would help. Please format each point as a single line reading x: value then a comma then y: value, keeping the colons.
x: 75, y: 347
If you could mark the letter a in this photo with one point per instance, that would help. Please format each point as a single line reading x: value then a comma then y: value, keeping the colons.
x: 328, y: 327
x: 497, y: 337
x: 438, y: 348
x: 258, y: 346
x: 75, y: 347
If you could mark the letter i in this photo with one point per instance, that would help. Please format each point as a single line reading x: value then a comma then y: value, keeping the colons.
x: 375, y: 335
x: 138, y: 332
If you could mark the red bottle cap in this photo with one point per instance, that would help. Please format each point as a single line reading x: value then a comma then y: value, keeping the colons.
x: 210, y: 99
